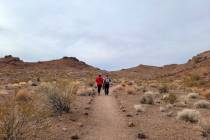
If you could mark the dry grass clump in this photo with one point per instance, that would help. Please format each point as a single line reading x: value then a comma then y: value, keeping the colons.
x: 193, y: 95
x: 193, y: 80
x: 86, y: 91
x: 170, y: 98
x: 202, y: 104
x: 118, y: 88
x: 189, y: 115
x: 60, y: 96
x: 20, y: 120
x: 147, y: 99
x: 23, y: 95
x: 90, y: 82
x: 130, y: 90
x: 206, y: 94
x: 139, y: 108
x: 205, y: 128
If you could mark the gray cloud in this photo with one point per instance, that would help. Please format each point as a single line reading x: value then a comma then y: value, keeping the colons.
x: 107, y: 34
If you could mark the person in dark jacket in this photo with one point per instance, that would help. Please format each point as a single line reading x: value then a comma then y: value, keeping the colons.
x: 106, y: 85
x: 99, y: 83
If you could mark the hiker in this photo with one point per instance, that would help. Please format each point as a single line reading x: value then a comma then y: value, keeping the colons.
x: 106, y: 85
x: 99, y: 83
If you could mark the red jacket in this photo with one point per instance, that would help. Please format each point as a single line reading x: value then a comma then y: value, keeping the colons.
x: 99, y: 81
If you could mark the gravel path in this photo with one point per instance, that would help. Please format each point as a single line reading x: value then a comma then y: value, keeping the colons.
x: 108, y: 123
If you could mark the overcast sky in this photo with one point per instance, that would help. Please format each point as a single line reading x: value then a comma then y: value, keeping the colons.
x: 109, y: 34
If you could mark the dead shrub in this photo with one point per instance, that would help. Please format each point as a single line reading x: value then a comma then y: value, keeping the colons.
x: 189, y: 115
x: 206, y: 94
x: 147, y: 99
x: 202, y: 104
x: 170, y: 98
x: 193, y: 95
x: 164, y: 88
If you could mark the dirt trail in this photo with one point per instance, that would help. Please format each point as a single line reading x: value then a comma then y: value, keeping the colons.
x: 108, y: 123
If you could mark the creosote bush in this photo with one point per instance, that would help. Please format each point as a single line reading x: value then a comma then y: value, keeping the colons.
x: 60, y: 96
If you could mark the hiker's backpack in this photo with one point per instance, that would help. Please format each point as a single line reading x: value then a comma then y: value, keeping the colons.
x: 107, y: 81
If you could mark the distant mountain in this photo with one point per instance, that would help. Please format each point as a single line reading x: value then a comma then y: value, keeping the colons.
x: 199, y: 64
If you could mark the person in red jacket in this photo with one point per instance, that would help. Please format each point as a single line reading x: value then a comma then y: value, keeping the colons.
x: 99, y: 83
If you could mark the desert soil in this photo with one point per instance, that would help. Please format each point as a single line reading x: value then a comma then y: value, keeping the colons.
x: 108, y: 122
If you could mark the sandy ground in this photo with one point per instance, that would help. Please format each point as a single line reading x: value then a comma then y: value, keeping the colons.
x: 108, y: 123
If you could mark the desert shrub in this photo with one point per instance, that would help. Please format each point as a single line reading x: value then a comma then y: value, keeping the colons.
x: 170, y: 98
x: 164, y: 88
x: 23, y: 95
x: 60, y: 96
x: 130, y: 90
x: 19, y: 121
x: 205, y: 128
x: 86, y: 91
x: 147, y: 99
x: 193, y: 80
x: 193, y: 95
x: 206, y: 94
x: 118, y: 88
x: 202, y: 104
x: 90, y: 82
x: 139, y: 108
x: 189, y: 115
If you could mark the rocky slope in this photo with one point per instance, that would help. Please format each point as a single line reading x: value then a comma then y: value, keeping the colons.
x: 199, y: 65
x: 13, y: 69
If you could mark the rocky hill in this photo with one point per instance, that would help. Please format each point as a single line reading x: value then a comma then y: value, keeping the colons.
x: 13, y: 69
x: 199, y: 65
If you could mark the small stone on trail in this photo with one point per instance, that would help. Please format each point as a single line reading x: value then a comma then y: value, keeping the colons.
x: 122, y: 107
x: 141, y: 135
x: 124, y: 110
x: 87, y: 108
x: 75, y: 137
x: 170, y: 114
x: 129, y: 115
x: 131, y: 124
x: 64, y: 129
x: 86, y: 114
x: 80, y: 125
